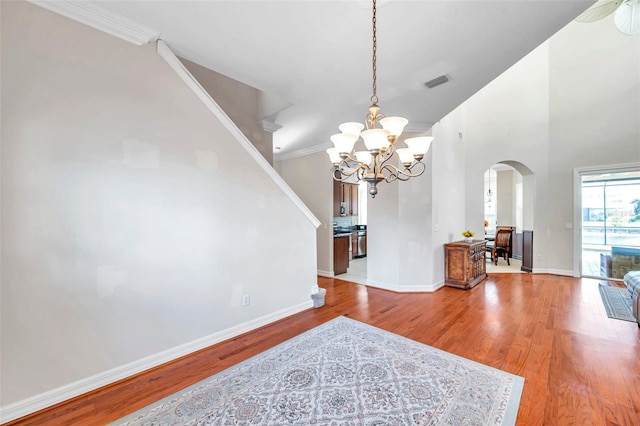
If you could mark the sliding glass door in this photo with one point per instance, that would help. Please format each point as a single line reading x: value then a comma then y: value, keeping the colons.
x: 610, y: 223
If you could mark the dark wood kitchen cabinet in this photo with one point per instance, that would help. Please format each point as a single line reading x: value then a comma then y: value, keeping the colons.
x: 345, y: 195
x: 465, y: 264
x: 337, y: 198
x: 353, y: 199
x: 341, y: 254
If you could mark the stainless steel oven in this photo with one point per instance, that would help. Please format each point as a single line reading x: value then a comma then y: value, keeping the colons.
x: 362, y: 244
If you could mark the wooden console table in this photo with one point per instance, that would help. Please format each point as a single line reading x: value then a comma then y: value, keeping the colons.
x: 464, y: 263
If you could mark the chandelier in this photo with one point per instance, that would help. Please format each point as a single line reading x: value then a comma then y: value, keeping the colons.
x: 372, y: 165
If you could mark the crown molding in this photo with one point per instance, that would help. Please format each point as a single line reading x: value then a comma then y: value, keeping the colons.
x: 102, y: 19
x: 269, y: 126
x: 302, y: 152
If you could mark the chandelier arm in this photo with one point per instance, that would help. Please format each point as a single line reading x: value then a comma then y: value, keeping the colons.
x: 395, y: 173
x: 380, y: 158
x: 340, y: 172
x: 349, y: 161
x: 391, y: 178
x: 361, y: 170
x: 422, y: 168
x: 335, y: 174
x: 340, y: 175
x: 386, y: 155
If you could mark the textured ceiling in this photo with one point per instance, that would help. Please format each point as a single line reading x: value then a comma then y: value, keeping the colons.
x: 312, y: 59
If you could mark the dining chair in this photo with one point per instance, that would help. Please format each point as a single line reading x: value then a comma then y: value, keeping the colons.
x: 501, y: 245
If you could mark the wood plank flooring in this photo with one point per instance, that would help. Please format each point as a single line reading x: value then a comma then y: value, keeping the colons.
x: 580, y: 367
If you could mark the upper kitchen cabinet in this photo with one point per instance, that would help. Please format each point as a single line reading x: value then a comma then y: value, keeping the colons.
x: 337, y: 198
x: 353, y: 199
x: 345, y: 199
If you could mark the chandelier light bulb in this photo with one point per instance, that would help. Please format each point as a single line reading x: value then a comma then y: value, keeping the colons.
x: 406, y: 156
x: 334, y: 156
x: 363, y: 157
x: 375, y: 139
x: 395, y: 125
x: 343, y: 143
x: 351, y: 128
x: 420, y: 145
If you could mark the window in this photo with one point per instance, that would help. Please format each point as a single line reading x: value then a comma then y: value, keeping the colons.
x: 610, y: 218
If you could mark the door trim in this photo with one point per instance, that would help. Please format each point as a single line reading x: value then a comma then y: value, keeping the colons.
x: 577, y: 204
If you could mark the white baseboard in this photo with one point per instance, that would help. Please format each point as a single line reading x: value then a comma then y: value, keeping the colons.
x: 438, y: 285
x: 71, y: 390
x: 553, y: 272
x: 405, y: 288
x: 385, y: 286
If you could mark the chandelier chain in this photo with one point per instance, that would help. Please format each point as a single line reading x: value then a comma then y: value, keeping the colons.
x: 374, y: 97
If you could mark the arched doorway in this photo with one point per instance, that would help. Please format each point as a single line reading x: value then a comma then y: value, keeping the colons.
x: 508, y: 202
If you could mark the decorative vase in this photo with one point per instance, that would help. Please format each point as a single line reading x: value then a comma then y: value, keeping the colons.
x: 468, y: 239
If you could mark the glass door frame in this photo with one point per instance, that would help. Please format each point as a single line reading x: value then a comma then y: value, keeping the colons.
x: 577, y: 205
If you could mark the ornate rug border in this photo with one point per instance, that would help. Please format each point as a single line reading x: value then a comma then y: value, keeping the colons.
x: 510, y: 413
x: 607, y: 293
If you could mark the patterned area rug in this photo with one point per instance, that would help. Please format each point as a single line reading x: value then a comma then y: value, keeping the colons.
x: 617, y: 302
x: 345, y: 373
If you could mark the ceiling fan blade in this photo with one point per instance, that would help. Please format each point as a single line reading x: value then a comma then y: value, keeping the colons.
x: 627, y: 17
x: 599, y: 10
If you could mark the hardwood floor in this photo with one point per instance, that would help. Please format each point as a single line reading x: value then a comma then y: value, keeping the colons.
x: 580, y: 367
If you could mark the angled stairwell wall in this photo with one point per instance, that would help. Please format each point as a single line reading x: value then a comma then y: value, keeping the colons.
x: 135, y: 216
x: 239, y: 101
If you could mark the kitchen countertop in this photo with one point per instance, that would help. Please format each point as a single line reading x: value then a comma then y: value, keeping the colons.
x: 345, y: 231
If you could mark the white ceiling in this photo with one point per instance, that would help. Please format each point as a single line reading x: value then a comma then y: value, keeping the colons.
x: 312, y: 59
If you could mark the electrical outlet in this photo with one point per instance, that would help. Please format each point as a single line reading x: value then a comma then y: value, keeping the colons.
x: 245, y: 300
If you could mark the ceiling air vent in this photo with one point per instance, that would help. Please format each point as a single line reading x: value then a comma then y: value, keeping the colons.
x: 437, y: 81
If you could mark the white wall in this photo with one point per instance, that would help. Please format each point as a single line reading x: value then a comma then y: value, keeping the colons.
x: 595, y: 114
x: 384, y: 245
x: 132, y: 221
x: 573, y: 102
x: 505, y: 198
x: 449, y: 174
x: 309, y: 177
x: 399, y: 229
x: 508, y: 121
x: 415, y: 236
x: 240, y: 102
